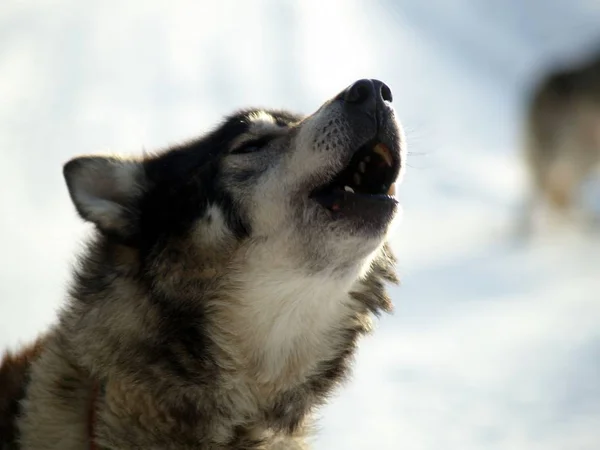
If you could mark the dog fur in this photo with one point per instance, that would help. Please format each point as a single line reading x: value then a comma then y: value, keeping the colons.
x: 562, y: 148
x: 218, y: 303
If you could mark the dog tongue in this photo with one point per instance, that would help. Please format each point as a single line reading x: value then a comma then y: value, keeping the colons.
x: 384, y: 152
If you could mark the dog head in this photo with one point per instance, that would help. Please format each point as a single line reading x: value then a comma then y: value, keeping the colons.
x: 324, y: 183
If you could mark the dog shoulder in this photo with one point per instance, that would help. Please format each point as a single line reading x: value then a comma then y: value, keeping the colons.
x: 14, y: 369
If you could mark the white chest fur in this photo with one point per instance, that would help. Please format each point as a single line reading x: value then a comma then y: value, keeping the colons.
x: 289, y: 319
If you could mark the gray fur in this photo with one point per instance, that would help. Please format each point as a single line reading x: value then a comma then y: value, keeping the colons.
x: 217, y: 305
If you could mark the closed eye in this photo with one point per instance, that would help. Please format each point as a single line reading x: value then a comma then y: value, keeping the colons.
x: 251, y: 146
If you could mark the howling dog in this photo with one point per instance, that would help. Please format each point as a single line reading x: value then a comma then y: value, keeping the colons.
x: 225, y: 288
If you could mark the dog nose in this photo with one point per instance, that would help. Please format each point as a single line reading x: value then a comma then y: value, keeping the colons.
x: 367, y: 92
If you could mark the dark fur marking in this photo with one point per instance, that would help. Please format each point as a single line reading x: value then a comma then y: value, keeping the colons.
x: 14, y: 378
x: 184, y: 345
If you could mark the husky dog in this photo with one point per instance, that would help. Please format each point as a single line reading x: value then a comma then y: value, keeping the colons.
x: 222, y: 295
x: 563, y: 136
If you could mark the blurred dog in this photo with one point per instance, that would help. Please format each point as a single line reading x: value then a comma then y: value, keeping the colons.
x: 563, y: 137
x: 223, y: 294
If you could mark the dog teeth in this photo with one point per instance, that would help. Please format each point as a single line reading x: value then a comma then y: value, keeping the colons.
x: 362, y: 167
x: 348, y: 189
x: 392, y: 191
x: 356, y: 179
x: 384, y: 152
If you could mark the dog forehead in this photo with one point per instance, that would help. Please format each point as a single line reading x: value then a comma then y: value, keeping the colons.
x: 264, y: 121
x: 261, y: 121
x: 237, y: 128
x: 253, y: 124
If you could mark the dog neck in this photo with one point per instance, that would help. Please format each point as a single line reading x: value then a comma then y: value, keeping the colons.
x: 286, y: 319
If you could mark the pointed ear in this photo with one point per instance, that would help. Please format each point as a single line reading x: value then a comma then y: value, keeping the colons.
x: 106, y: 191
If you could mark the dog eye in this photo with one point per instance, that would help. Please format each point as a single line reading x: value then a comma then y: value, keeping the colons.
x: 251, y: 146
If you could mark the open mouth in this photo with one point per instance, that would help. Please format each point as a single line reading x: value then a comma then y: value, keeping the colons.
x: 369, y: 175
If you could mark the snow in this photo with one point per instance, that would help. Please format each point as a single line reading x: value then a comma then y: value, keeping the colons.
x: 495, y: 343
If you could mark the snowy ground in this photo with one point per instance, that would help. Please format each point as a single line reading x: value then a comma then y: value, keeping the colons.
x: 494, y: 344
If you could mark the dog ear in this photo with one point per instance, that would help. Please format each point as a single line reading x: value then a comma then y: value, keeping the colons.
x: 107, y: 191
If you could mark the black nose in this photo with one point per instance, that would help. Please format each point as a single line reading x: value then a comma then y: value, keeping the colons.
x: 365, y: 92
